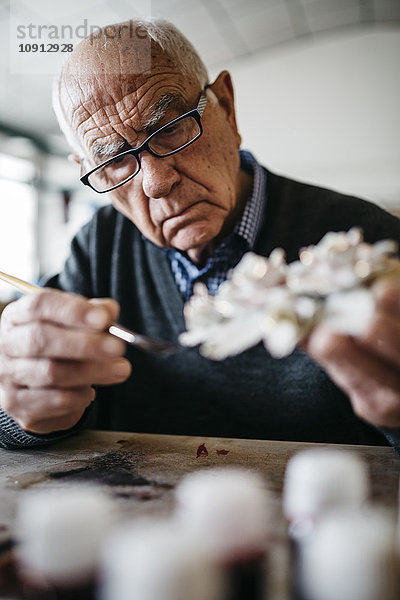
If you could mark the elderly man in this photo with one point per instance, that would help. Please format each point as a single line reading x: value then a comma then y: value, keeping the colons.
x: 147, y: 127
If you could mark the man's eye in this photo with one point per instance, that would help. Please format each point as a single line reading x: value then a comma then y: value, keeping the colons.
x: 118, y: 159
x: 171, y: 129
x: 122, y: 162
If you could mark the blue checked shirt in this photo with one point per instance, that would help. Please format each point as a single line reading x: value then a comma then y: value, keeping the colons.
x: 231, y: 250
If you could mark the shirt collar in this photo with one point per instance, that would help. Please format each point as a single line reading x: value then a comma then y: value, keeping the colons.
x: 249, y: 225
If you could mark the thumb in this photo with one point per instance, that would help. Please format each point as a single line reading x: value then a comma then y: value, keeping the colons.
x: 110, y: 305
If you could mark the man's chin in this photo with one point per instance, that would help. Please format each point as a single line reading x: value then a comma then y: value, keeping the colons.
x: 192, y: 238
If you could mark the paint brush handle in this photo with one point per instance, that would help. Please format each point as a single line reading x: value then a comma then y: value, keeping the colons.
x: 19, y: 284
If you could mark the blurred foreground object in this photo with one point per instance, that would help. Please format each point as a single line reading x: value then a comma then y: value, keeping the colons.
x: 353, y: 555
x: 153, y: 560
x: 317, y: 482
x: 59, y: 533
x: 231, y: 511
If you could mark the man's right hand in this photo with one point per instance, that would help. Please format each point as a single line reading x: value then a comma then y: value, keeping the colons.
x: 53, y: 347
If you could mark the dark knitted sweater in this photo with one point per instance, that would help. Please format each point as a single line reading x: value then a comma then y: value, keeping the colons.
x: 249, y: 396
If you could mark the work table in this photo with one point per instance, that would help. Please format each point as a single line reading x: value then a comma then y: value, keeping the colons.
x: 141, y: 470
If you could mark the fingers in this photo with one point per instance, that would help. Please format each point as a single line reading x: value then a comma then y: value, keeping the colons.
x: 107, y: 304
x: 54, y: 347
x: 367, y: 367
x: 56, y: 324
x: 54, y: 306
x: 42, y: 339
x: 387, y: 295
x: 47, y: 410
x: 382, y: 338
x: 372, y: 384
x: 47, y: 373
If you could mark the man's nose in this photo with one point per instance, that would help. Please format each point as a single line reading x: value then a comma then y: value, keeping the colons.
x: 159, y: 175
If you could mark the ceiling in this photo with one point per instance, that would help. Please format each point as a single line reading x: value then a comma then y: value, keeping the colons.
x: 222, y: 31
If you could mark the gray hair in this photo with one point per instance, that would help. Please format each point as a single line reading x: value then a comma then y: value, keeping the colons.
x: 163, y: 33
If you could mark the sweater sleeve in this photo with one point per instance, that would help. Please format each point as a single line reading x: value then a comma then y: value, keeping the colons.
x: 75, y: 278
x: 393, y: 437
x: 12, y: 436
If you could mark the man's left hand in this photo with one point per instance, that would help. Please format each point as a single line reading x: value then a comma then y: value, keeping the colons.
x: 367, y: 367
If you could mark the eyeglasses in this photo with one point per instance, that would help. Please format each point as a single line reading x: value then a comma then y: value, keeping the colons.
x: 168, y: 139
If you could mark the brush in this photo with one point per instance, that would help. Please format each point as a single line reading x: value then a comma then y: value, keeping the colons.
x: 130, y: 337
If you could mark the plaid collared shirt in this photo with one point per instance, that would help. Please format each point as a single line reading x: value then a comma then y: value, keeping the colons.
x: 232, y: 248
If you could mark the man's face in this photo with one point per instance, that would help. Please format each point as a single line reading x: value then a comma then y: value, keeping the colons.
x: 183, y: 201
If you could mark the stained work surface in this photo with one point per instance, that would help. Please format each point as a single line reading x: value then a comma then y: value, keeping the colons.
x: 144, y: 467
x: 140, y: 471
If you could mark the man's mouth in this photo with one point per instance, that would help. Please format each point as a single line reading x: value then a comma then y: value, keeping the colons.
x: 182, y: 212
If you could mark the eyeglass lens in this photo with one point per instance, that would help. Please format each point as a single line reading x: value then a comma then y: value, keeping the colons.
x: 169, y: 139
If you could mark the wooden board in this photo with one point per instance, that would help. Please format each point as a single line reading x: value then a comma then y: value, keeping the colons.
x: 127, y: 460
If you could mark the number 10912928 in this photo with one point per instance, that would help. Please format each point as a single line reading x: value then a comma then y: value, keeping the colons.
x: 45, y: 47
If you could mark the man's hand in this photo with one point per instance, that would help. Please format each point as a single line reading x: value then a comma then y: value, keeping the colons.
x: 53, y: 348
x: 367, y: 367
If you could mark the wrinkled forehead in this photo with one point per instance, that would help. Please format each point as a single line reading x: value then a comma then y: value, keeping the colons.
x: 130, y: 78
x: 123, y: 48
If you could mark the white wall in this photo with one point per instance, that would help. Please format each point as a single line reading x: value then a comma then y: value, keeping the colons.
x: 327, y: 111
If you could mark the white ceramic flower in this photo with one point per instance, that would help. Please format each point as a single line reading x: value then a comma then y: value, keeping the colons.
x: 266, y: 300
x: 338, y: 262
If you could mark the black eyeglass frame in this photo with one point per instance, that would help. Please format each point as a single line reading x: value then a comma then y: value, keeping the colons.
x: 196, y: 113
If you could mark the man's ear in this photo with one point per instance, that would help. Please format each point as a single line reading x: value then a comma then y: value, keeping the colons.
x: 74, y: 158
x: 223, y: 89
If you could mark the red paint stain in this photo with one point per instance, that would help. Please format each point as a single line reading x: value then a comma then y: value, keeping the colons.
x: 223, y: 452
x: 202, y: 451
